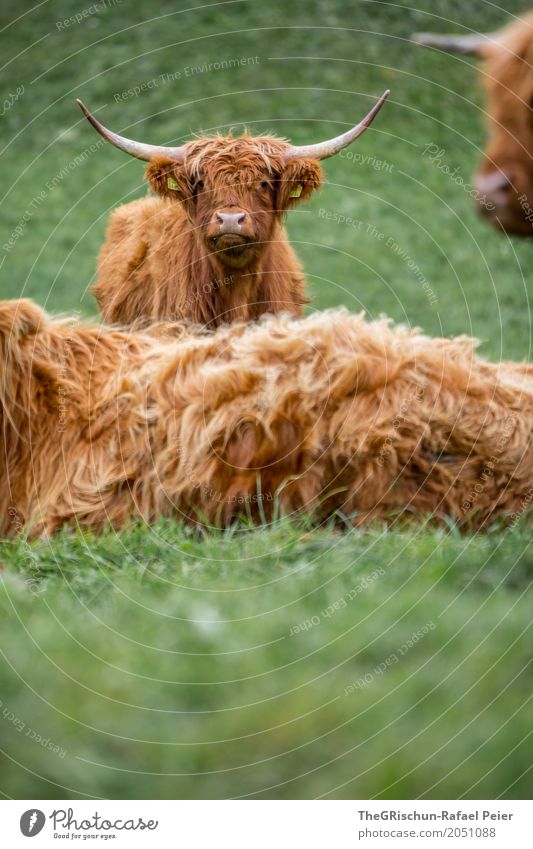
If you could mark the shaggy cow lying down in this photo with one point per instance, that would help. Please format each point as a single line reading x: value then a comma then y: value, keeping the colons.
x: 324, y: 414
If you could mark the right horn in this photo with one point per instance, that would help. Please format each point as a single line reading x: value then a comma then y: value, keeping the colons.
x: 325, y: 149
x: 476, y: 44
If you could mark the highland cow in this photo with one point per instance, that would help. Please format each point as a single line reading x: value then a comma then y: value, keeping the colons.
x: 504, y: 179
x: 211, y: 246
x: 331, y: 414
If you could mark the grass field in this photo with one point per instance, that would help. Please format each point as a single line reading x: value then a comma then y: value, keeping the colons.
x: 273, y: 662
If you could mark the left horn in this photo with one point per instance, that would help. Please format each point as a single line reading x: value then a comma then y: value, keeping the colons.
x: 325, y: 149
x: 138, y: 149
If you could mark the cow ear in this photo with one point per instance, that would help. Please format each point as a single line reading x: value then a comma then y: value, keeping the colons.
x: 168, y: 179
x: 19, y: 319
x: 297, y: 181
x: 20, y: 322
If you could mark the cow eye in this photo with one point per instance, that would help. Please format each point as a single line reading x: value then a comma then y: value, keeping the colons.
x: 264, y: 184
x: 200, y: 185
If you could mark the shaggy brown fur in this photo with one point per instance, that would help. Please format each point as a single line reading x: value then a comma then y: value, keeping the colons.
x: 165, y: 259
x: 504, y: 179
x: 508, y: 79
x: 330, y: 413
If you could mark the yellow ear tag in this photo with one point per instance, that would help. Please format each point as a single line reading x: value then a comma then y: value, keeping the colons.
x: 171, y: 183
x: 297, y: 191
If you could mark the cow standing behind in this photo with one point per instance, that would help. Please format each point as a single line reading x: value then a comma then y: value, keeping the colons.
x: 504, y: 178
x: 211, y: 247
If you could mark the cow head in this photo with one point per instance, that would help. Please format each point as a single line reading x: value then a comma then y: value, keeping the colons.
x: 504, y: 178
x: 235, y: 188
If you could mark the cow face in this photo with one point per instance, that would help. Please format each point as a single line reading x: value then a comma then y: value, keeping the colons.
x: 234, y: 190
x: 504, y: 177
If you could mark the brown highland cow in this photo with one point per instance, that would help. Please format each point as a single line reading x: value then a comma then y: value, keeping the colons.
x: 211, y: 246
x: 324, y: 414
x: 504, y: 179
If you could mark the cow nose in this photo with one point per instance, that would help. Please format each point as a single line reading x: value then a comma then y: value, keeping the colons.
x: 230, y: 222
x: 495, y: 185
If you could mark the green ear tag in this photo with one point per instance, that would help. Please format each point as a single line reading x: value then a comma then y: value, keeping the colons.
x: 297, y: 191
x: 171, y: 183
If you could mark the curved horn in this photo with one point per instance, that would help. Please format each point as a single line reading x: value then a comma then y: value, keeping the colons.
x: 325, y: 149
x: 133, y: 148
x: 476, y: 44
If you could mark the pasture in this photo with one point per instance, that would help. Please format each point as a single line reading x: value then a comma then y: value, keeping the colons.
x: 284, y: 661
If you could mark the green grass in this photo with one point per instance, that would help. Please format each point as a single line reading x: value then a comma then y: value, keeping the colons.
x: 176, y: 666
x: 160, y: 663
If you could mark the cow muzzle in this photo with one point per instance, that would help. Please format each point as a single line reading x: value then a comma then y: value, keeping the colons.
x: 230, y: 230
x: 231, y: 222
x: 494, y: 187
x: 500, y: 201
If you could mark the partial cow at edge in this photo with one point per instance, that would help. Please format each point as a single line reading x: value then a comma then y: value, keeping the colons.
x: 211, y: 246
x: 505, y: 174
